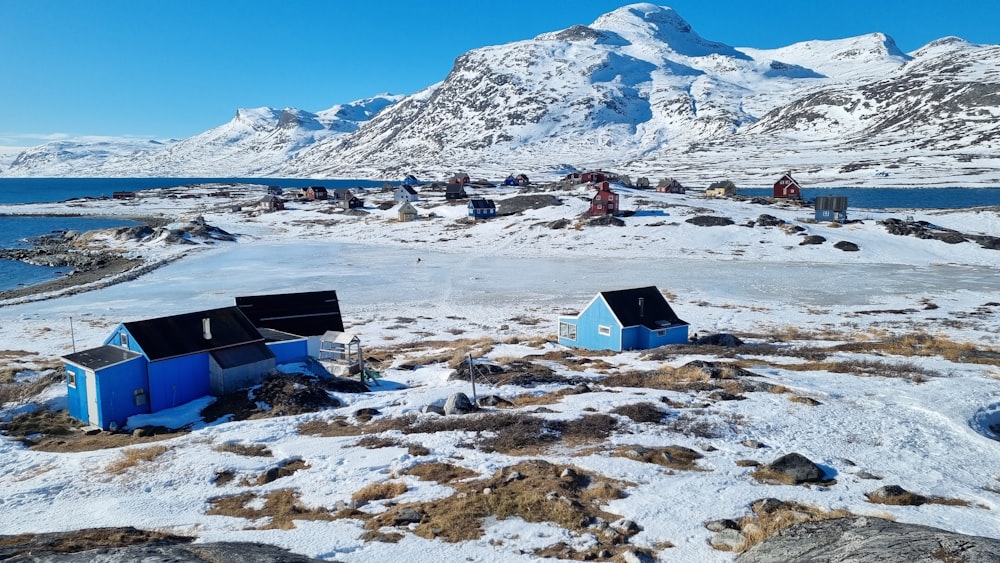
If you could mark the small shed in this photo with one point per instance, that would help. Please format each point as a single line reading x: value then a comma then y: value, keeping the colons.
x: 407, y: 212
x: 626, y: 319
x: 831, y: 208
x: 522, y: 179
x: 123, y: 195
x: 605, y: 201
x: 669, y: 186
x: 405, y: 193
x: 317, y: 193
x: 274, y: 190
x: 411, y: 180
x: 294, y: 193
x: 725, y: 188
x: 455, y: 191
x: 106, y: 385
x: 340, y: 352
x: 641, y: 183
x: 480, y: 208
x: 787, y: 187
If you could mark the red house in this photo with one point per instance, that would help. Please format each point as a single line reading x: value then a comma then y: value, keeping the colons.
x: 605, y: 201
x: 787, y: 187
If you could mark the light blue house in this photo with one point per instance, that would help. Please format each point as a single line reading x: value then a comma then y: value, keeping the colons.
x: 151, y: 365
x: 627, y: 319
x: 831, y: 208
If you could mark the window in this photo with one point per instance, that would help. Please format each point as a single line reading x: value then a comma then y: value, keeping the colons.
x: 604, y: 330
x: 123, y: 339
x: 661, y: 332
x: 567, y: 331
x: 140, y: 397
x: 71, y: 378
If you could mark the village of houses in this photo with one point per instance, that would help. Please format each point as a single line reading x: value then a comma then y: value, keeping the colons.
x: 135, y: 370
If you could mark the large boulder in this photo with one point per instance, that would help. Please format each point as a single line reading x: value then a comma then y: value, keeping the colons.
x: 793, y: 468
x: 869, y: 539
x: 458, y: 403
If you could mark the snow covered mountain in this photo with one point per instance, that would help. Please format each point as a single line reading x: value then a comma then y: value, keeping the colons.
x: 637, y: 90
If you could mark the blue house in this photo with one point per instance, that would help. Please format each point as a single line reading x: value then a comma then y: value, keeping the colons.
x: 831, y: 208
x: 626, y: 319
x: 482, y: 208
x: 151, y: 365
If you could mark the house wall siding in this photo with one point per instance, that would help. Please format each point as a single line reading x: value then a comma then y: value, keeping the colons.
x: 76, y: 397
x: 178, y: 380
x: 289, y: 350
x: 587, y: 325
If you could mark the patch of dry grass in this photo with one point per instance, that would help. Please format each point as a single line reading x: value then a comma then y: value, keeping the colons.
x: 280, y: 508
x: 133, y: 457
x: 247, y: 450
x: 673, y: 457
x: 379, y: 491
x: 535, y: 490
x: 440, y: 472
x: 641, y: 412
x: 335, y: 428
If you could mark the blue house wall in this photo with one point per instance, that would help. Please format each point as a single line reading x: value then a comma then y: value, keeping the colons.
x: 179, y: 380
x: 122, y: 391
x: 289, y: 350
x: 588, y: 328
x: 831, y: 215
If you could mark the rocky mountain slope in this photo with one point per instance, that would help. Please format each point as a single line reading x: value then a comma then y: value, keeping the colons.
x: 637, y: 89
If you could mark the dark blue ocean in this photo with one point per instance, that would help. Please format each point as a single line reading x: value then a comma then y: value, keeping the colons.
x: 16, y: 231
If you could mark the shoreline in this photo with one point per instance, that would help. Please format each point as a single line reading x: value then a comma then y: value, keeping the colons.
x: 108, y: 269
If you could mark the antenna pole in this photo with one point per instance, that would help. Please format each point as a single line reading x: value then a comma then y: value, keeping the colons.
x: 72, y: 336
x: 472, y: 377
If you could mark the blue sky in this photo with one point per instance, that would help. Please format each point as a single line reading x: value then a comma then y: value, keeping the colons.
x: 175, y: 68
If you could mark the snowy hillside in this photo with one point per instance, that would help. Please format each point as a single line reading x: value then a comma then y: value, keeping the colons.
x: 640, y: 89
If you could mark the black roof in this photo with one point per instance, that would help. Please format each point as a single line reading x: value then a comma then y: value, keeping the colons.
x: 482, y: 204
x: 181, y: 335
x: 242, y: 355
x: 644, y: 306
x: 271, y: 335
x: 101, y: 357
x: 409, y: 189
x: 456, y: 188
x: 309, y: 313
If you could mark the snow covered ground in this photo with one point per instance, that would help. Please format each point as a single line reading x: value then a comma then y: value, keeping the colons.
x: 510, y: 277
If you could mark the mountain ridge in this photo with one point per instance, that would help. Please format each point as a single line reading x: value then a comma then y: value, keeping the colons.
x: 637, y: 88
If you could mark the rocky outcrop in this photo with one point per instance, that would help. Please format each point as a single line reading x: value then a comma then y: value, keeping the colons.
x: 124, y: 545
x: 869, y: 539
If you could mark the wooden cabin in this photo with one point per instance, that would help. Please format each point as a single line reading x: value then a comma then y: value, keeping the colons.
x: 627, y: 319
x: 480, y: 208
x: 316, y: 193
x: 725, y: 188
x: 831, y: 208
x: 407, y: 212
x: 669, y: 186
x: 787, y: 187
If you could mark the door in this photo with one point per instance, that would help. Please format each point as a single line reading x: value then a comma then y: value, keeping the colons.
x: 92, y: 415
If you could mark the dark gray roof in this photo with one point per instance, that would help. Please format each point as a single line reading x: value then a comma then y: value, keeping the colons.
x: 242, y: 355
x: 182, y: 335
x: 644, y: 306
x: 101, y: 357
x: 309, y: 313
x: 482, y: 204
x: 271, y: 335
x: 409, y: 190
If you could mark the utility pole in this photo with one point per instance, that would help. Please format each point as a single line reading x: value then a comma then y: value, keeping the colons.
x: 72, y: 336
x: 472, y: 377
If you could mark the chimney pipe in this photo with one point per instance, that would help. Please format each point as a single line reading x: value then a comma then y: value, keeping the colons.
x: 206, y: 328
x: 642, y: 303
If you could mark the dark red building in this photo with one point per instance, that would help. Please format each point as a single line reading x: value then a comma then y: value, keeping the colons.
x: 787, y: 187
x: 605, y: 201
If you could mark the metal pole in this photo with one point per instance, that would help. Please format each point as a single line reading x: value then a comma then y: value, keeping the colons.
x: 72, y: 336
x: 472, y: 377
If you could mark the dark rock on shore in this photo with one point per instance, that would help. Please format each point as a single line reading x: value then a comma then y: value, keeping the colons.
x: 869, y: 539
x: 709, y: 221
x: 125, y: 545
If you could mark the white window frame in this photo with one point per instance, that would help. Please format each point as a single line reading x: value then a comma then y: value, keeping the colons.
x: 71, y: 378
x: 123, y: 339
x: 567, y: 331
x: 604, y: 330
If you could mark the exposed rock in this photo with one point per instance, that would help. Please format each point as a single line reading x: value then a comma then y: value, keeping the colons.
x: 767, y: 506
x: 727, y: 540
x: 721, y: 339
x: 709, y: 221
x: 766, y: 220
x: 124, y: 545
x: 522, y: 203
x: 869, y: 539
x: 493, y: 401
x: 605, y: 221
x: 458, y: 403
x: 847, y: 246
x: 755, y: 444
x: 558, y: 224
x: 719, y: 370
x: 896, y: 495
x: 435, y: 409
x: 722, y: 524
x: 795, y: 468
x: 812, y: 239
x: 407, y: 516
